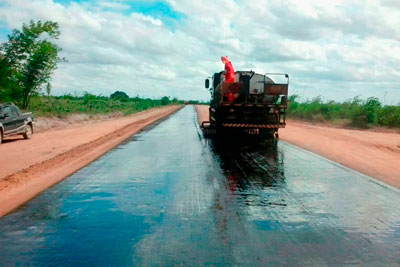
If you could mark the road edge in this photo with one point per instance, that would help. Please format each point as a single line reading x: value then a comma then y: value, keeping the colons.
x: 354, y: 171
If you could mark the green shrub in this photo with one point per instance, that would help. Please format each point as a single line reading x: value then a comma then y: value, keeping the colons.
x: 360, y: 113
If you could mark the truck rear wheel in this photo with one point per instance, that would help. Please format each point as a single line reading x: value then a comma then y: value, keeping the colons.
x: 266, y: 134
x: 28, y: 132
x: 1, y: 136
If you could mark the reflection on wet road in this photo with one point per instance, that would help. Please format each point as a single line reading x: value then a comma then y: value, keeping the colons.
x: 168, y: 196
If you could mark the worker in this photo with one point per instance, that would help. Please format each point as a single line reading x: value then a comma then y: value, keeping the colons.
x: 229, y: 72
x: 229, y: 79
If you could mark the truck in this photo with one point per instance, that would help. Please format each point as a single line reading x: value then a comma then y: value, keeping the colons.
x: 252, y: 104
x: 14, y: 122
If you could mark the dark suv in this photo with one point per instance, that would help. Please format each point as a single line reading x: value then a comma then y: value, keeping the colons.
x: 13, y: 122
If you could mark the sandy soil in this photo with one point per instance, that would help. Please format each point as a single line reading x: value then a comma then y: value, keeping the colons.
x: 30, y: 166
x: 376, y: 154
x: 46, y: 123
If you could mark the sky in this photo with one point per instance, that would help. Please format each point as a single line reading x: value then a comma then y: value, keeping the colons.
x: 336, y: 49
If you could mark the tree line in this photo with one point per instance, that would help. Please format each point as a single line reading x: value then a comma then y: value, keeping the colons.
x: 65, y: 105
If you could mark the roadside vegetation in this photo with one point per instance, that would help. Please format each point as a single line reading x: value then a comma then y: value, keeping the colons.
x: 355, y: 112
x: 61, y: 106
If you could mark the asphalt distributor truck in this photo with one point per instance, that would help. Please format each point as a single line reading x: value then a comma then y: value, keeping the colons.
x: 253, y: 104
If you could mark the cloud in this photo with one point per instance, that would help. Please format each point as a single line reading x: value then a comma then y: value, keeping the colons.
x: 336, y: 48
x: 113, y: 5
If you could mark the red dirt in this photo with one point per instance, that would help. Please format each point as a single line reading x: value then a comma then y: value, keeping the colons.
x: 30, y: 166
x: 376, y: 154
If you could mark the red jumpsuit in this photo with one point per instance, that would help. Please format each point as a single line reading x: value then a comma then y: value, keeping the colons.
x: 229, y: 78
x: 229, y: 72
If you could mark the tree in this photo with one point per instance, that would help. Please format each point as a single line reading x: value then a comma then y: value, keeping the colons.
x: 165, y: 100
x: 371, y: 107
x: 30, y: 58
x: 119, y: 95
x: 4, y: 73
x: 8, y: 86
x: 48, y: 89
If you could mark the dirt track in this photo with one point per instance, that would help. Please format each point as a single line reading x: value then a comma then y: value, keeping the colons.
x: 31, y: 166
x: 372, y: 153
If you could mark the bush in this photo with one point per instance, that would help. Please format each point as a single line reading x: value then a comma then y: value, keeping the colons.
x: 165, y: 101
x: 119, y: 95
x: 358, y: 112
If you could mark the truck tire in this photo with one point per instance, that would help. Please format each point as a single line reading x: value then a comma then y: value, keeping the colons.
x: 1, y: 136
x: 28, y: 132
x: 266, y: 134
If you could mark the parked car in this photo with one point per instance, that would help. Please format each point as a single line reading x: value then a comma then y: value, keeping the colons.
x: 14, y: 122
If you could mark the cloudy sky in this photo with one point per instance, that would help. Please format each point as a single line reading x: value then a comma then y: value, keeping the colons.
x: 334, y: 48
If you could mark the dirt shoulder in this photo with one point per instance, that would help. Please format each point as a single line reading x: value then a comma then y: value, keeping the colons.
x: 376, y: 154
x: 56, y: 123
x: 30, y: 166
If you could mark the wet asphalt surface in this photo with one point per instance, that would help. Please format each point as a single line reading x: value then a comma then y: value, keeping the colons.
x: 168, y: 196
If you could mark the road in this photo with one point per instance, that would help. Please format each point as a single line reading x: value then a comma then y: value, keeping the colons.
x: 170, y: 197
x: 376, y: 154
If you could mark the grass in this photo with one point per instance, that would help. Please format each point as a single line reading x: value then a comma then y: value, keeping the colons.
x: 62, y: 106
x: 354, y: 112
